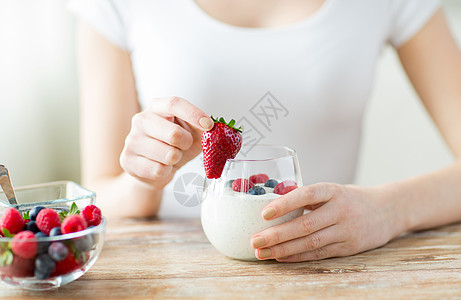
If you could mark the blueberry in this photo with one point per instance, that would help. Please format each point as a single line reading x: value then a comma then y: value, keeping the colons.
x: 34, y: 212
x: 229, y: 183
x: 55, y: 231
x: 40, y: 234
x: 44, y: 265
x: 256, y: 190
x: 42, y: 247
x: 83, y: 243
x: 271, y: 183
x: 58, y: 251
x: 32, y: 226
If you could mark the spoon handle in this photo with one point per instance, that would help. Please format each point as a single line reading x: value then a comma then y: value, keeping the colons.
x: 7, y: 187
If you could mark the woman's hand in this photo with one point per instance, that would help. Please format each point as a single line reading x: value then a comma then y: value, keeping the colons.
x: 163, y: 138
x: 343, y: 220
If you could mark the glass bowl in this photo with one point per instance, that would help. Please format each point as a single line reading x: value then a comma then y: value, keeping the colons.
x: 231, y: 211
x: 83, y: 247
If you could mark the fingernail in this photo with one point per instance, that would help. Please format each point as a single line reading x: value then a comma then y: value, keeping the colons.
x: 268, y: 213
x: 264, y: 253
x: 259, y: 241
x: 206, y: 123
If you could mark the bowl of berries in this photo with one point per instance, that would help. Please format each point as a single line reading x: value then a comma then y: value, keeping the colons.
x: 51, y: 237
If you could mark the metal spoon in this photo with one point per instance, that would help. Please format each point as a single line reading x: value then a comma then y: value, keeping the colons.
x: 7, y: 187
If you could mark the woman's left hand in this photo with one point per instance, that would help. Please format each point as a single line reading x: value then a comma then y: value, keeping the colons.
x: 344, y: 220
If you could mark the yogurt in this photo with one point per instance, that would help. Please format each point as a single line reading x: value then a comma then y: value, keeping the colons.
x: 231, y: 218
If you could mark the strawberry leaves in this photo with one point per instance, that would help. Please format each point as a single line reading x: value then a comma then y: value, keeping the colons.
x: 72, y: 211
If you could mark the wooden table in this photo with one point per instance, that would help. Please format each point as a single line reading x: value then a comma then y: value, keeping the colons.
x: 171, y: 258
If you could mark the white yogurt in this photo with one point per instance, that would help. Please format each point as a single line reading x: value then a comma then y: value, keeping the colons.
x: 230, y: 220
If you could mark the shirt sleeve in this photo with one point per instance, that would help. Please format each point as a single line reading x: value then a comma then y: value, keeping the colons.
x: 408, y: 17
x: 105, y: 16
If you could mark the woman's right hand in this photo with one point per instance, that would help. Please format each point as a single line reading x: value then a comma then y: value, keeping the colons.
x: 163, y: 138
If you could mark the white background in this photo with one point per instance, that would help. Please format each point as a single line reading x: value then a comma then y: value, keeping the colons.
x: 39, y: 103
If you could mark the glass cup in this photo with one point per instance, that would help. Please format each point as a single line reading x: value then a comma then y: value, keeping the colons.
x: 232, y: 204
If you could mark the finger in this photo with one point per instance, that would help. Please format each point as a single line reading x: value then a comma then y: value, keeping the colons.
x: 302, y: 226
x: 300, y: 197
x: 303, y: 244
x: 159, y: 128
x: 145, y: 169
x: 331, y: 250
x: 155, y: 150
x: 181, y: 108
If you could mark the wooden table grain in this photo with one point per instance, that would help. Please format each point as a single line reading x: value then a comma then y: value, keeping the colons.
x: 171, y: 258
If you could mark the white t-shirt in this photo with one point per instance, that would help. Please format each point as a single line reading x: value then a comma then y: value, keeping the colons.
x: 303, y: 85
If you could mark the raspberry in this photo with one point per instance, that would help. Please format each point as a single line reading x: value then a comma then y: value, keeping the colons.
x: 259, y: 178
x: 92, y: 215
x: 12, y: 221
x: 47, y: 218
x: 24, y: 244
x: 73, y: 223
x: 237, y: 185
x: 284, y: 187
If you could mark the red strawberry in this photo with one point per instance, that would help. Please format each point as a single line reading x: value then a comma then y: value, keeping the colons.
x: 20, y: 267
x: 73, y: 223
x: 259, y: 178
x: 12, y: 221
x: 24, y: 244
x: 222, y: 142
x: 284, y: 187
x: 92, y: 215
x: 47, y: 219
x: 237, y: 185
x: 69, y: 264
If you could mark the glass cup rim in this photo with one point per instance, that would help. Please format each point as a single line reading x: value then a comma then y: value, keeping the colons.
x: 288, y: 149
x: 63, y: 237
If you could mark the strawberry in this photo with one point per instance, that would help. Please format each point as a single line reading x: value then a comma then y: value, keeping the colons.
x: 284, y: 187
x: 240, y: 186
x: 259, y: 178
x: 20, y: 267
x: 222, y: 142
x: 24, y: 244
x: 12, y: 221
x: 70, y: 263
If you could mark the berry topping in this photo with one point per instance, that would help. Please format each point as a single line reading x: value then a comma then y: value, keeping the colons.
x: 240, y: 185
x: 44, y: 265
x: 32, y: 226
x: 20, y: 267
x: 284, y: 187
x: 12, y: 221
x: 84, y: 243
x: 69, y: 264
x: 271, y: 183
x: 24, y: 244
x: 47, y: 219
x: 42, y: 245
x: 222, y: 142
x: 256, y: 190
x: 92, y: 215
x: 58, y: 251
x: 34, y: 212
x: 55, y: 231
x: 259, y: 178
x: 73, y: 223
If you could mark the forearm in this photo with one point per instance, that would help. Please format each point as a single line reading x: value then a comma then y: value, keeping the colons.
x: 125, y: 197
x: 428, y: 200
